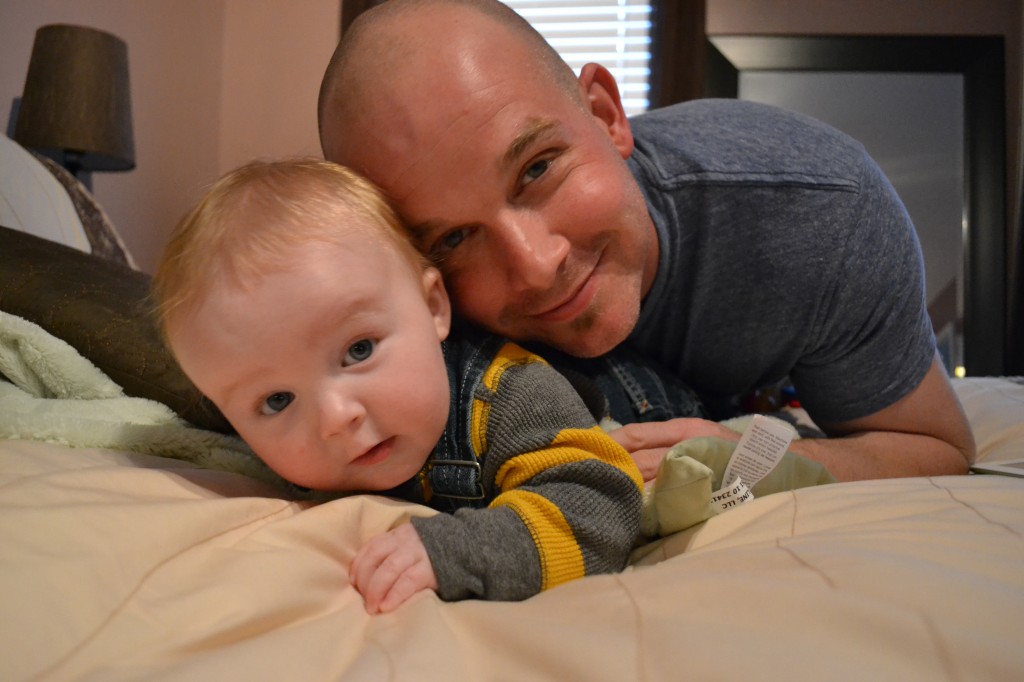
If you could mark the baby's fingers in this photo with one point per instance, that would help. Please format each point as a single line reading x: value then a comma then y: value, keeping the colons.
x: 415, y: 578
x: 366, y: 561
x: 390, y: 568
x: 649, y: 461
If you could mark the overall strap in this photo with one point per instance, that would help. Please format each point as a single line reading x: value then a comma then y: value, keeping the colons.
x: 454, y: 473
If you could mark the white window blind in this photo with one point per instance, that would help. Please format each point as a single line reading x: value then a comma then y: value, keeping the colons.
x: 614, y: 33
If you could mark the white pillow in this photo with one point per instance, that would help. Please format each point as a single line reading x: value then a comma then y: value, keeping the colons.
x: 995, y: 409
x: 33, y: 201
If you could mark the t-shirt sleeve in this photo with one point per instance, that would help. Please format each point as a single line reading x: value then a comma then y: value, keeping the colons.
x: 784, y: 252
x: 872, y: 341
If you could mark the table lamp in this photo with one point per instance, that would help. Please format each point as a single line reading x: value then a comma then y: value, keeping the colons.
x: 76, y: 106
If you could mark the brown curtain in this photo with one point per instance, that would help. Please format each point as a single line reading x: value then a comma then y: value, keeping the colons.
x: 678, y: 51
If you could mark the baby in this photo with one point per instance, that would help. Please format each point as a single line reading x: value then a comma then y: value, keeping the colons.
x: 293, y: 299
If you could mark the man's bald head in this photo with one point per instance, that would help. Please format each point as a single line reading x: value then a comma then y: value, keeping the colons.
x: 390, y: 37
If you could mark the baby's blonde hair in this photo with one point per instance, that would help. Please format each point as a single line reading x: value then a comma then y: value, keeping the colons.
x: 250, y: 221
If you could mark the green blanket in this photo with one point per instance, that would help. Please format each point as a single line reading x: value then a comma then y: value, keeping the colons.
x: 53, y: 394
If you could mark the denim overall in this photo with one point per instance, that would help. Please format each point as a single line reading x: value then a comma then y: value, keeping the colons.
x: 620, y: 385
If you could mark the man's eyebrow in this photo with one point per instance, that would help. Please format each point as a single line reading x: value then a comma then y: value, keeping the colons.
x: 424, y: 229
x: 534, y: 130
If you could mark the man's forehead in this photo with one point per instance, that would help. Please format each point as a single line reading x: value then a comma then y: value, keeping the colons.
x: 420, y: 70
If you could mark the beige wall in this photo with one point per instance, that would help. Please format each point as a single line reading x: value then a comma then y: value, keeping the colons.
x: 275, y: 53
x: 214, y: 83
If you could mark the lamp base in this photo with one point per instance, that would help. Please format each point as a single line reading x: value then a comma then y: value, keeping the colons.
x: 72, y: 161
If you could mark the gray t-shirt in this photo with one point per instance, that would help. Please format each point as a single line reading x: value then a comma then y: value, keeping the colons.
x: 784, y: 252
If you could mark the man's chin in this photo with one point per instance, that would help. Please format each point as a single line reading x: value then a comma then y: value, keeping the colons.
x: 589, y: 349
x: 588, y: 336
x: 589, y: 342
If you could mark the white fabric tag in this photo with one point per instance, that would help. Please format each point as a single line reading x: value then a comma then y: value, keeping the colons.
x: 730, y: 496
x: 760, y: 448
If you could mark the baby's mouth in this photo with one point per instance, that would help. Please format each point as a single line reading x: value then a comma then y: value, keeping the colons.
x: 378, y: 453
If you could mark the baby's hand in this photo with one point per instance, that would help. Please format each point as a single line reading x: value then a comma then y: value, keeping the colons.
x: 390, y: 568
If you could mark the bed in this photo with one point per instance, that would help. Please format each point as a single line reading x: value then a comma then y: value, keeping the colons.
x: 120, y: 562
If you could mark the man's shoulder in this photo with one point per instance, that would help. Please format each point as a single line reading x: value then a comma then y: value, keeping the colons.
x: 736, y: 141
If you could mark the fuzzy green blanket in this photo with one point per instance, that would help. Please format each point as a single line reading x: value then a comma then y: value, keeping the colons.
x: 53, y: 394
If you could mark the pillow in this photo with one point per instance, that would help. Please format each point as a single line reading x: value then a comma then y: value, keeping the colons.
x: 104, y: 241
x: 33, y: 200
x: 995, y: 408
x: 102, y: 309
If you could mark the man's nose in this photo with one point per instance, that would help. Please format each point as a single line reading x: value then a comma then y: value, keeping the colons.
x: 532, y: 252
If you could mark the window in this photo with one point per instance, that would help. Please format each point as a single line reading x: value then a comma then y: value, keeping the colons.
x: 614, y: 33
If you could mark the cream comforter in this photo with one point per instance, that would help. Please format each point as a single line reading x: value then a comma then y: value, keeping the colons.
x: 118, y: 566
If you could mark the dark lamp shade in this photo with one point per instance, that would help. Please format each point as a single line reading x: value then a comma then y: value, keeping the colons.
x: 76, y: 103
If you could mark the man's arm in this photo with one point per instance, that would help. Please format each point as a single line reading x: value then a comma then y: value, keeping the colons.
x: 923, y: 434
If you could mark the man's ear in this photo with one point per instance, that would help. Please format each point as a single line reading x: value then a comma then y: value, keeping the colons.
x: 436, y: 297
x: 598, y: 87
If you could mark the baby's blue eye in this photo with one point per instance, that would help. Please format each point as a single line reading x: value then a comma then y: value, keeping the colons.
x: 276, y: 402
x: 358, y: 351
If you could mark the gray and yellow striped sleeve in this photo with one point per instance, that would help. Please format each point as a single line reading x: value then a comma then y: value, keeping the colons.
x: 566, y: 498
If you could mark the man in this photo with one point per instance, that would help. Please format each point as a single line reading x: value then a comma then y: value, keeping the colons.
x: 760, y: 244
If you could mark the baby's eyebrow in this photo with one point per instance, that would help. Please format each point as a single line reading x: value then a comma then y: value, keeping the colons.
x: 534, y: 130
x: 239, y: 389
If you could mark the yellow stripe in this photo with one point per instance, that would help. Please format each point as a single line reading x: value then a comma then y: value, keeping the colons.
x: 570, y: 445
x: 509, y: 355
x: 560, y: 557
x: 479, y: 415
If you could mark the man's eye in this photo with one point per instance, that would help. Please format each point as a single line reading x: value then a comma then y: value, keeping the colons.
x: 276, y: 402
x: 441, y: 249
x: 358, y: 352
x: 453, y: 239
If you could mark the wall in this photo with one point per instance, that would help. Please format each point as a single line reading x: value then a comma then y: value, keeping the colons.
x: 214, y: 83
x: 275, y: 53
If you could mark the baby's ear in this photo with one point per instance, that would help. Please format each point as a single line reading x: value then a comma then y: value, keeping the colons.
x: 437, y: 301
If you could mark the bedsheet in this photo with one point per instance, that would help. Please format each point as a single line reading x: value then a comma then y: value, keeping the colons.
x: 136, y: 571
x: 118, y: 566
